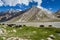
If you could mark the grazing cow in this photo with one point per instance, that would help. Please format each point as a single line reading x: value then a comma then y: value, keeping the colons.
x: 17, y: 26
x: 58, y: 16
x: 41, y: 25
x: 10, y: 25
x: 50, y: 26
x: 24, y: 25
x: 52, y: 36
x: 20, y: 25
x: 2, y: 24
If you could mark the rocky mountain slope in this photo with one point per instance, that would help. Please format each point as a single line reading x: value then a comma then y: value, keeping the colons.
x: 57, y: 14
x: 10, y: 14
x: 32, y: 14
x: 36, y: 15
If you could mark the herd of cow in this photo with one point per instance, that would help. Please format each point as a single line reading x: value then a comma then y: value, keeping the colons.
x: 17, y: 26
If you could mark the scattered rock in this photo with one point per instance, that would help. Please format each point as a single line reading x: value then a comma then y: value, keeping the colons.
x: 52, y: 36
x: 3, y: 38
x: 49, y: 38
x: 14, y: 30
x: 16, y: 38
x: 42, y: 39
x: 2, y: 31
x: 10, y: 38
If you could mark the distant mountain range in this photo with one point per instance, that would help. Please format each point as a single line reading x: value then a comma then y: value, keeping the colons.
x: 57, y: 14
x: 32, y: 14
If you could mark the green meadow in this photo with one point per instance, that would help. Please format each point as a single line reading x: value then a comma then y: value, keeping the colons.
x: 29, y: 32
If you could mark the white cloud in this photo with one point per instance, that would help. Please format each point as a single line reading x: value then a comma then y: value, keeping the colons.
x: 26, y: 2
x: 1, y: 3
x: 39, y: 2
x: 14, y: 2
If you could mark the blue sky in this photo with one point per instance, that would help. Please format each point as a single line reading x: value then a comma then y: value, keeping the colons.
x: 52, y: 5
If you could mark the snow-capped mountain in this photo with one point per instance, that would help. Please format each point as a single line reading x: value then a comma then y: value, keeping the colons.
x: 13, y: 10
x: 9, y: 14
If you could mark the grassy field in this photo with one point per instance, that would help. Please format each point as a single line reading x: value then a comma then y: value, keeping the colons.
x: 29, y: 33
